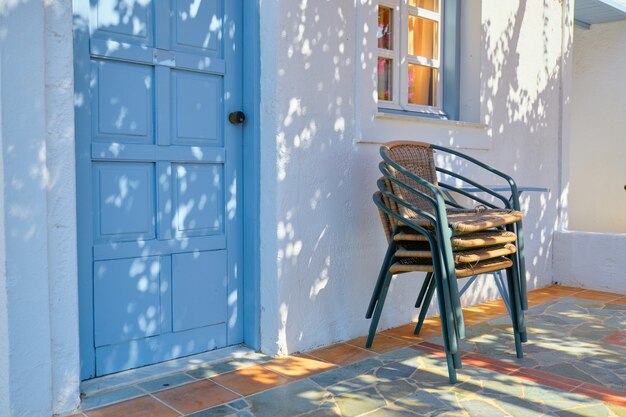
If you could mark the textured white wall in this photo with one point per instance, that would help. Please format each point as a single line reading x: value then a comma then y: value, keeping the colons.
x: 597, y: 198
x: 61, y: 205
x: 590, y: 246
x: 322, y: 243
x: 38, y: 323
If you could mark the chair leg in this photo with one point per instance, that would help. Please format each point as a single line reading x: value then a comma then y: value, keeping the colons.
x: 378, y: 310
x: 425, y: 286
x: 522, y: 265
x: 455, y: 297
x: 425, y: 305
x: 502, y: 290
x: 381, y: 277
x: 519, y: 310
x: 515, y: 311
x: 448, y: 332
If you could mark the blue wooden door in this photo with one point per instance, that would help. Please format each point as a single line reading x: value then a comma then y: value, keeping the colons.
x: 158, y: 188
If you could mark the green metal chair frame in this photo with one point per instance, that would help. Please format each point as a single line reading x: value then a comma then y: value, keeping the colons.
x: 450, y: 337
x: 443, y: 277
x: 512, y: 202
x: 430, y: 280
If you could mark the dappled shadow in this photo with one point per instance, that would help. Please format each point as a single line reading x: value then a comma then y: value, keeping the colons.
x: 327, y: 237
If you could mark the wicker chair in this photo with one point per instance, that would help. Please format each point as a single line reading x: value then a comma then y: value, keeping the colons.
x: 428, y: 233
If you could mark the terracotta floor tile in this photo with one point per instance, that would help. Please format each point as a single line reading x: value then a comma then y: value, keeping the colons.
x: 195, y: 396
x: 489, y: 363
x: 617, y: 338
x: 543, y: 293
x: 621, y: 301
x: 137, y: 407
x: 309, y: 356
x: 602, y: 394
x: 538, y: 299
x: 431, y: 327
x: 564, y: 288
x: 382, y: 343
x: 548, y: 378
x: 597, y: 295
x: 251, y: 380
x: 341, y: 354
x: 496, y: 307
x: 297, y: 366
x: 474, y: 318
x: 420, y: 347
x: 485, y: 307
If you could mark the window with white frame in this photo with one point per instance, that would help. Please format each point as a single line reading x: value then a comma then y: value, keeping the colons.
x: 409, y: 71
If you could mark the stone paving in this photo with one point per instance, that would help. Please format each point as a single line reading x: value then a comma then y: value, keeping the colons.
x: 574, y: 365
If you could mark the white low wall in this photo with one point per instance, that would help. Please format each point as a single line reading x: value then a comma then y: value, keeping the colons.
x: 590, y: 260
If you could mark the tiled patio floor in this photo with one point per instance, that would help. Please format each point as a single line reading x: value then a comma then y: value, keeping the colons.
x: 574, y: 365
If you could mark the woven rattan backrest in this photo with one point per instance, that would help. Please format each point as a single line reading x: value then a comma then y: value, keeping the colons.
x: 418, y: 158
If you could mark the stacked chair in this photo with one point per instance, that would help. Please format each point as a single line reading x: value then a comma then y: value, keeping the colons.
x: 427, y: 231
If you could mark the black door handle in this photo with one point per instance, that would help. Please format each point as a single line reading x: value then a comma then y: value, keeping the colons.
x: 237, y: 117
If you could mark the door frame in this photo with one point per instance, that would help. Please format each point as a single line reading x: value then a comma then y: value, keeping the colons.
x: 250, y: 199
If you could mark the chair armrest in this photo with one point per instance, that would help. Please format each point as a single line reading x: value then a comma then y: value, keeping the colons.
x: 512, y: 185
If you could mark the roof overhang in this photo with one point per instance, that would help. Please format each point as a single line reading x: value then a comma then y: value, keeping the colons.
x: 592, y: 12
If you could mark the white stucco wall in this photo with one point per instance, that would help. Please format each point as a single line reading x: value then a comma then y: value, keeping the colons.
x: 591, y: 241
x: 322, y: 243
x: 597, y: 198
x: 39, y: 365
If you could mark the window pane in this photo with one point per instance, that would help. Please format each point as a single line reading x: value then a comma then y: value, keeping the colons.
x: 422, y: 85
x: 423, y: 37
x: 432, y: 5
x: 385, y: 25
x: 384, y: 79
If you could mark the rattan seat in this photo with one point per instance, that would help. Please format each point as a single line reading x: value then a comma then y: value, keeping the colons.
x: 469, y: 240
x: 422, y: 250
x: 474, y: 220
x: 462, y: 270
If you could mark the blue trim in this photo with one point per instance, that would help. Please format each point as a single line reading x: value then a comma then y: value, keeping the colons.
x: 82, y: 75
x: 251, y: 175
x: 451, y: 64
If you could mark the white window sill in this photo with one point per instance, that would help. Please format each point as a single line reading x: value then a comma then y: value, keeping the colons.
x: 383, y: 127
x: 432, y: 120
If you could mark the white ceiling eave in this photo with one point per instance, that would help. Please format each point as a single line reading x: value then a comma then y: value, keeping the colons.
x: 592, y: 12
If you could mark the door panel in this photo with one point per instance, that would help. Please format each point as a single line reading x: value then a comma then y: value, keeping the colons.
x: 123, y: 20
x: 127, y: 300
x: 199, y: 200
x: 122, y: 110
x: 198, y: 26
x: 163, y: 213
x: 196, y: 301
x: 197, y: 110
x: 124, y: 201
